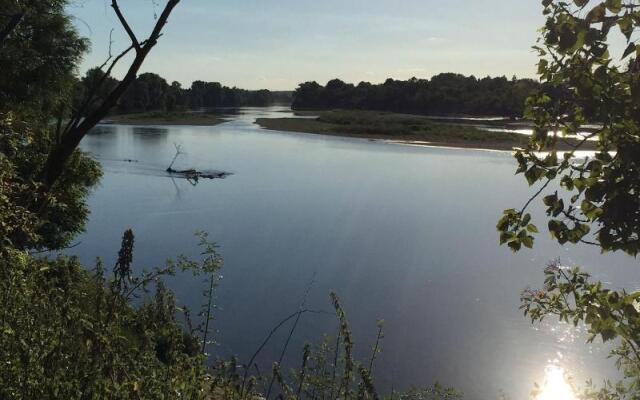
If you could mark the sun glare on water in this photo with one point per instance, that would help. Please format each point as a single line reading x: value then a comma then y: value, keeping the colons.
x: 555, y: 386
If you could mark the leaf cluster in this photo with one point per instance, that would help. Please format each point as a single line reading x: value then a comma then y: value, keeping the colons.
x: 613, y: 316
x: 596, y: 98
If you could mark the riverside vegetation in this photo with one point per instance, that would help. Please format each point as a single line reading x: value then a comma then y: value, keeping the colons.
x: 402, y: 128
x: 151, y: 92
x: 72, y: 331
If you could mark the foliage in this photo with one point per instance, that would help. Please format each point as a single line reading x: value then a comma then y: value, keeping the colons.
x: 360, y: 122
x: 23, y: 150
x: 38, y: 60
x: 600, y: 191
x: 69, y: 333
x: 597, y: 200
x: 373, y: 124
x: 574, y: 298
x: 436, y: 392
x: 446, y: 93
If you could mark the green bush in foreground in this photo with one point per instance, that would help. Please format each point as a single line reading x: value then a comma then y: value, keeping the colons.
x: 73, y: 334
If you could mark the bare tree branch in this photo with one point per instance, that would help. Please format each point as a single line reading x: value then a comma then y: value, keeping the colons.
x: 125, y: 25
x: 59, y: 155
x: 73, y: 122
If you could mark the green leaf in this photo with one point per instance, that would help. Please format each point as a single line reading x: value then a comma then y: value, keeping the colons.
x: 626, y: 26
x: 615, y: 6
x: 505, y: 237
x: 550, y: 200
x: 528, y: 242
x: 590, y: 210
x: 514, y: 245
x: 542, y: 66
x: 568, y: 37
x: 597, y: 14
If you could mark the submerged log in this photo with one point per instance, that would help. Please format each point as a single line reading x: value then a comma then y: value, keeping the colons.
x: 195, y: 174
x: 192, y: 175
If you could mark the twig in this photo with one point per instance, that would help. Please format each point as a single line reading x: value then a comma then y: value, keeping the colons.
x: 335, y: 363
x: 293, y: 328
x: 271, y: 333
x: 535, y: 195
x: 206, y: 326
x: 125, y: 25
x: 178, y: 152
x: 375, y: 349
x: 73, y: 122
x: 49, y: 250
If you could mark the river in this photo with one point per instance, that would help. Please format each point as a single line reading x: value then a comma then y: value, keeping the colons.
x: 401, y: 233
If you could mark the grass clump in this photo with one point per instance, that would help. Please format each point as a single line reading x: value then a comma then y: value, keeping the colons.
x: 401, y: 127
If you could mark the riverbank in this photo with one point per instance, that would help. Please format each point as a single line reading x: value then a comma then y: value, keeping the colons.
x: 402, y: 128
x: 166, y: 118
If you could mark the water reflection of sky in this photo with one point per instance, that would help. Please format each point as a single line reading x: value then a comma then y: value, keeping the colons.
x: 401, y: 233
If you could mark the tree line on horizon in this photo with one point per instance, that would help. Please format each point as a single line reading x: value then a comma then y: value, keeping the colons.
x: 443, y: 94
x: 151, y: 92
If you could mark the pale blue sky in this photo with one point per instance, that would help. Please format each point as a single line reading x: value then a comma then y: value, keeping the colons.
x: 276, y: 44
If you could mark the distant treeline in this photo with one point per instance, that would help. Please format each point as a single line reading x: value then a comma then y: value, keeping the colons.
x: 443, y: 94
x: 151, y: 92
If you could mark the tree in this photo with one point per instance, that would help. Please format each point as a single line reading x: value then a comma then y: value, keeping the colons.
x: 308, y: 95
x: 82, y: 122
x: 445, y: 93
x: 93, y: 82
x: 38, y: 58
x: 157, y: 88
x: 175, y: 97
x: 590, y: 200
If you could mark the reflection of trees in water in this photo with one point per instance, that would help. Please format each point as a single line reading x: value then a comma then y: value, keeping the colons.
x: 102, y: 130
x: 149, y: 130
x: 150, y: 135
x: 220, y: 110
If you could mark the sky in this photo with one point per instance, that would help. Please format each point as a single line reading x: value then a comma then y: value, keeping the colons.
x: 277, y: 44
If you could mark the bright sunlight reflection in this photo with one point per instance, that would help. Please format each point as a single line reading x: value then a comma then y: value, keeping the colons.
x: 555, y: 386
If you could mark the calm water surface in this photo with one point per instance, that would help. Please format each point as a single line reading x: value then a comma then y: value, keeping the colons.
x: 405, y: 234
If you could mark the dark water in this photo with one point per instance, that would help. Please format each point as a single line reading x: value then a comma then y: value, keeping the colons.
x: 401, y: 233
